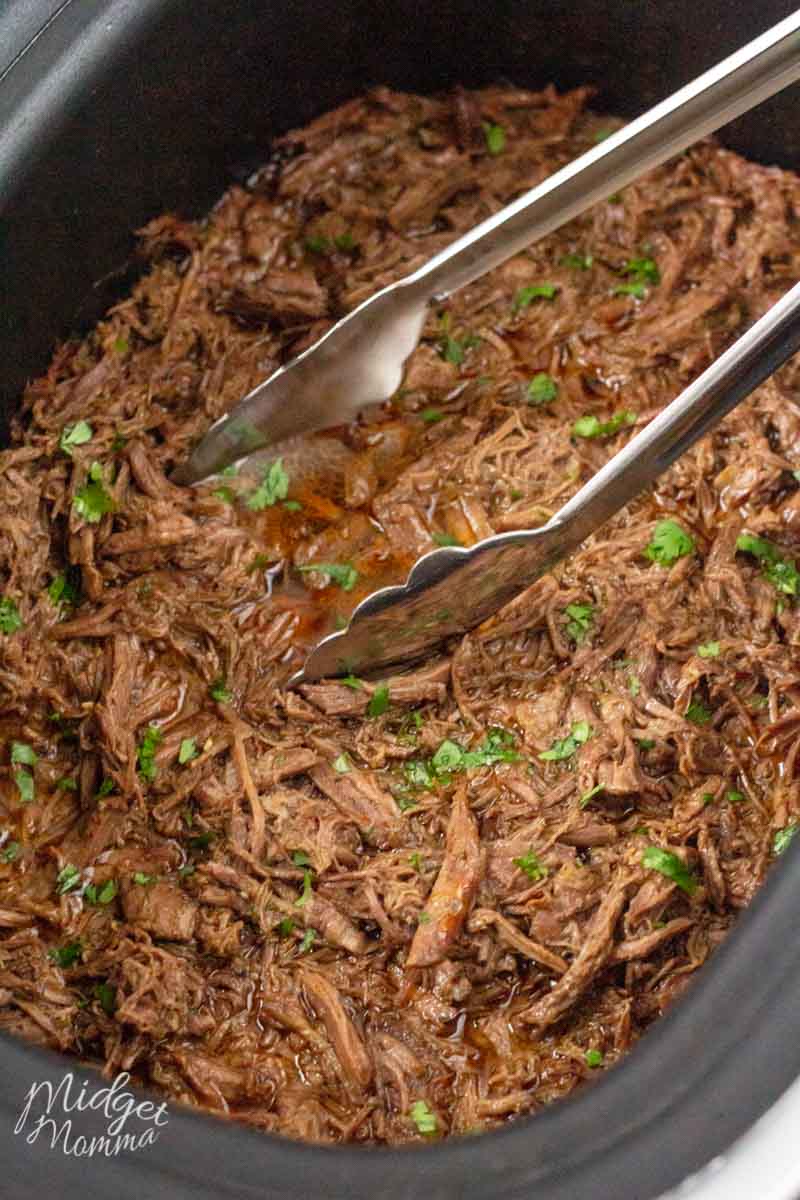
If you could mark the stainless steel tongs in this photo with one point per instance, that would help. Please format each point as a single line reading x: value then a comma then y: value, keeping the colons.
x: 360, y: 361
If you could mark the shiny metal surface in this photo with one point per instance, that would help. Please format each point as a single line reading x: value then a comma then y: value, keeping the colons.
x: 452, y: 590
x: 360, y: 360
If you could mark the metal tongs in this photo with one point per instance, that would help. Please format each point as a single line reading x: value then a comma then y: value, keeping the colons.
x: 360, y: 361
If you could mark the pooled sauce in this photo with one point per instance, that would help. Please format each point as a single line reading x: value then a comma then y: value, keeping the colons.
x: 431, y: 903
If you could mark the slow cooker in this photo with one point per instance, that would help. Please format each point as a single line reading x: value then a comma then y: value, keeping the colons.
x: 112, y: 111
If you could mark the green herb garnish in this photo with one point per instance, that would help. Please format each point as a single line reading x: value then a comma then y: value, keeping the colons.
x: 379, y: 701
x: 708, y: 650
x: 146, y: 753
x: 577, y: 262
x: 309, y: 937
x: 24, y: 781
x: 781, y: 572
x: 670, y: 865
x: 306, y: 894
x: 592, y: 427
x: 542, y: 388
x: 65, y: 956
x: 106, y: 996
x: 534, y: 291
x: 65, y: 588
x: 698, y: 712
x: 92, y: 501
x: 218, y: 691
x: 587, y: 796
x: 273, y: 487
x: 531, y: 866
x: 100, y: 895
x: 75, y: 435
x: 11, y: 852
x: 565, y: 747
x: 143, y: 879
x: 188, y: 750
x: 669, y: 543
x: 424, y: 1118
x: 495, y: 137
x: 10, y: 620
x: 445, y: 539
x: 580, y: 621
x: 68, y: 878
x: 344, y: 575
x: 23, y: 754
x: 783, y: 837
x: 593, y: 1058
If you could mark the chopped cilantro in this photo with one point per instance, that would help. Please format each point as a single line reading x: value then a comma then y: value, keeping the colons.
x: 645, y: 743
x: 424, y: 1118
x: 424, y: 918
x: 188, y: 750
x: 669, y: 543
x: 642, y: 270
x: 698, y: 712
x: 75, y: 435
x: 734, y: 797
x: 301, y: 859
x: 531, y: 866
x: 591, y: 427
x: 92, y: 501
x: 105, y: 789
x: 65, y: 956
x: 218, y: 691
x: 309, y: 937
x: 306, y: 894
x: 146, y: 753
x: 22, y: 753
x: 202, y: 841
x: 121, y: 345
x: 431, y: 415
x: 187, y: 870
x: 142, y: 879
x: 317, y: 244
x: 11, y: 852
x: 273, y: 487
x: 225, y: 493
x: 577, y: 262
x: 10, y: 620
x: 670, y: 865
x: 344, y: 242
x: 783, y: 837
x: 415, y: 861
x: 580, y: 620
x: 602, y: 134
x: 452, y: 350
x: 445, y: 539
x: 292, y: 505
x: 344, y: 575
x: 496, y: 748
x: 285, y: 926
x: 379, y: 701
x: 101, y: 895
x: 65, y: 588
x: 565, y: 747
x: 708, y: 650
x: 495, y: 137
x: 68, y: 878
x: 781, y: 572
x: 106, y: 996
x: 587, y: 796
x: 542, y: 388
x: 637, y: 290
x: 534, y: 291
x: 24, y: 781
x: 352, y: 681
x: 593, y: 1058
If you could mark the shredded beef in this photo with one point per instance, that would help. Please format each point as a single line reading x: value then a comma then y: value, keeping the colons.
x: 476, y: 883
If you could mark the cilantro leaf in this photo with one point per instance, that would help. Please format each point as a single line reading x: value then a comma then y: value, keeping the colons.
x: 218, y: 691
x: 671, y: 866
x: 75, y: 435
x: 10, y: 852
x: 92, y: 501
x: 101, y: 895
x: 309, y: 937
x: 379, y: 701
x: 542, y: 388
x: 273, y: 487
x: 781, y: 572
x: 24, y: 782
x: 431, y: 415
x: 10, y: 620
x: 565, y: 747
x: 581, y: 619
x: 708, y: 650
x: 669, y: 543
x: 146, y: 753
x: 188, y: 750
x: 495, y: 137
x: 698, y: 712
x: 587, y: 796
x: 344, y: 575
x: 445, y: 539
x: 22, y: 753
x: 593, y: 1058
x: 65, y: 588
x: 531, y: 866
x: 534, y: 291
x: 578, y: 262
x: 68, y: 879
x: 424, y: 1118
x: 591, y: 427
x: 637, y: 290
x: 144, y: 880
x: 342, y: 764
x: 65, y: 956
x: 306, y: 894
x: 106, y: 996
x: 783, y: 837
x: 642, y: 270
